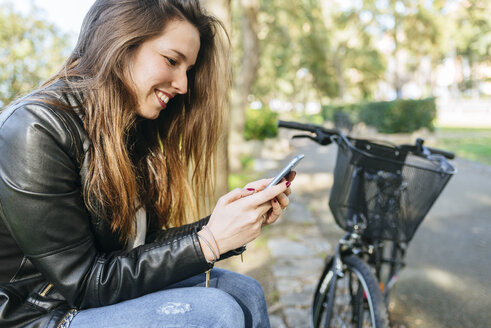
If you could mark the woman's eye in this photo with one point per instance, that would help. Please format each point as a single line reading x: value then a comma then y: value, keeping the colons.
x: 171, y: 61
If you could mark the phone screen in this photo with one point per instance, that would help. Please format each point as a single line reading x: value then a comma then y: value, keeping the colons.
x: 285, y: 170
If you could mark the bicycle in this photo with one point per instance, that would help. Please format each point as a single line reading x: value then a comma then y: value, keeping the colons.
x: 380, y: 195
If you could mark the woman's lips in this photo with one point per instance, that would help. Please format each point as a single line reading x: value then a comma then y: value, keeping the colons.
x: 163, y: 98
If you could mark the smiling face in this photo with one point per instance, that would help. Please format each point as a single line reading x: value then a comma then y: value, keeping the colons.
x: 159, y: 66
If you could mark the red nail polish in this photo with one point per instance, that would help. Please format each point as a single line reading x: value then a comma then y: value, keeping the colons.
x: 288, y: 184
x: 251, y: 189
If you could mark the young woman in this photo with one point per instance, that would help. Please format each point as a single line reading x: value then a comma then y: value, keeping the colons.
x: 104, y: 167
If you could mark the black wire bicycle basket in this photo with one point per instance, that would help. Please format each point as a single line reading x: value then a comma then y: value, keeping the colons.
x: 384, y: 191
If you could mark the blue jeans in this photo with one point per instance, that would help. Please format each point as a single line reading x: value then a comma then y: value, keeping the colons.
x: 233, y: 300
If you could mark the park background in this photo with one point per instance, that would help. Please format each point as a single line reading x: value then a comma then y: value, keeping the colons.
x: 396, y: 65
x: 390, y: 69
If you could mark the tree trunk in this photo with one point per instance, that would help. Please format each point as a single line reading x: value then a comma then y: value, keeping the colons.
x: 243, y: 80
x: 398, y: 81
x: 339, y: 73
x: 221, y: 9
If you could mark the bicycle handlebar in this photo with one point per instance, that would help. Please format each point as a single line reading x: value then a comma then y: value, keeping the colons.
x: 444, y: 153
x: 417, y: 149
x: 306, y: 127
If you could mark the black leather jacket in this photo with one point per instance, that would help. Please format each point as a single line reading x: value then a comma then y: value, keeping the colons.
x: 54, y: 256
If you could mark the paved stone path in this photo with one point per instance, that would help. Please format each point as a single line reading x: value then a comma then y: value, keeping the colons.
x: 297, y: 249
x: 296, y: 244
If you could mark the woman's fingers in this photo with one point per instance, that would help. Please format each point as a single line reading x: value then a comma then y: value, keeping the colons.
x: 247, y: 192
x: 283, y: 199
x: 259, y: 184
x: 236, y: 194
x: 291, y: 176
x: 239, y: 215
x: 268, y: 194
x: 274, y: 213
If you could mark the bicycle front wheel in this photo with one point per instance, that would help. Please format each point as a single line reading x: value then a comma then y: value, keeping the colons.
x: 357, y: 299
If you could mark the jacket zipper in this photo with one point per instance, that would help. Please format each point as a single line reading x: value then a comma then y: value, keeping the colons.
x: 67, y: 319
x: 46, y: 289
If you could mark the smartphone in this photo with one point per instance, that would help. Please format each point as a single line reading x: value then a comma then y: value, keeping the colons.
x: 285, y: 170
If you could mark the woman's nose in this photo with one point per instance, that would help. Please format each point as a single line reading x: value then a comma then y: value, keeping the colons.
x: 180, y: 83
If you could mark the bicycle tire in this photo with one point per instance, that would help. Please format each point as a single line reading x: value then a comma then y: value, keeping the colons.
x: 357, y: 295
x: 320, y: 294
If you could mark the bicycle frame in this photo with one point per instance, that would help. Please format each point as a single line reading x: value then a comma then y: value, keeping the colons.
x: 372, y: 251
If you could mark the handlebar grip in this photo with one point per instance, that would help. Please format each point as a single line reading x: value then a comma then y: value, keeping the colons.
x: 444, y: 153
x: 297, y: 126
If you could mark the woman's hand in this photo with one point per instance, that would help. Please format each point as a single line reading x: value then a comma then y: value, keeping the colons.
x: 240, y: 214
x: 279, y: 203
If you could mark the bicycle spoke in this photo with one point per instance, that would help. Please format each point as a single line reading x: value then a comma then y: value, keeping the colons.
x: 355, y: 305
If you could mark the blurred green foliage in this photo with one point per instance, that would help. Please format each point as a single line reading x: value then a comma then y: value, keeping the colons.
x: 333, y: 51
x: 330, y: 51
x: 350, y: 111
x: 401, y: 115
x: 260, y: 124
x: 308, y: 52
x: 31, y: 50
x: 397, y: 116
x: 245, y: 175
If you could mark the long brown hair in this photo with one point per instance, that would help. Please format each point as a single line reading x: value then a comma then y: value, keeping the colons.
x: 167, y: 164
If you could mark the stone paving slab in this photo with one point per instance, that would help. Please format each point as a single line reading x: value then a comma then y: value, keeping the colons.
x: 297, y: 249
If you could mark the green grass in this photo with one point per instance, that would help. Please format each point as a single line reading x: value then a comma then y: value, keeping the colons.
x: 472, y: 144
x: 452, y: 129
